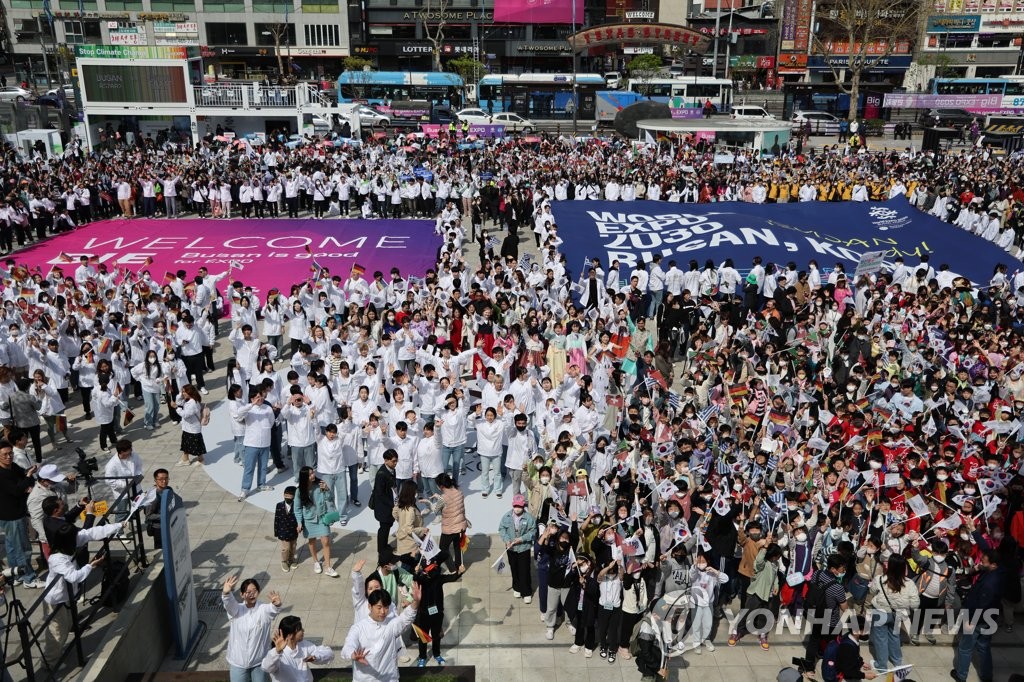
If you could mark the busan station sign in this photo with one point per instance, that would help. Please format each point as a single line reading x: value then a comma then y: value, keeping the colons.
x: 648, y: 34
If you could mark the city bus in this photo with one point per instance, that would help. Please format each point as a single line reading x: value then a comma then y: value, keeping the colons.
x: 1009, y: 88
x: 540, y: 95
x: 687, y: 92
x: 381, y: 88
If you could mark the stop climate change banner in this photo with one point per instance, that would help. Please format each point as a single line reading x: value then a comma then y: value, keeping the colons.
x: 271, y: 253
x: 828, y: 233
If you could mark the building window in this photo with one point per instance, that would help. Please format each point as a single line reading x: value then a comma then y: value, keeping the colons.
x: 551, y: 32
x: 226, y: 34
x: 270, y: 7
x: 226, y: 7
x: 265, y: 34
x: 82, y: 32
x: 322, y: 35
x: 123, y: 5
x: 172, y: 6
x: 319, y: 7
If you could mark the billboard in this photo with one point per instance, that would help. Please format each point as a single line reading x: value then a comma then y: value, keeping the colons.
x: 134, y: 83
x: 538, y: 11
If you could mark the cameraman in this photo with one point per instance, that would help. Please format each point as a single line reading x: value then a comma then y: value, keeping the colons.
x: 123, y: 470
x: 15, y: 484
x: 49, y: 484
x: 65, y: 572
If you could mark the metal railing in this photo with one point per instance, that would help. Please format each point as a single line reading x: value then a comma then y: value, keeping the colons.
x: 258, y: 96
x: 29, y: 625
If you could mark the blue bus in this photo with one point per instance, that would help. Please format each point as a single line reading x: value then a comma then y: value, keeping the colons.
x: 540, y: 95
x: 378, y: 88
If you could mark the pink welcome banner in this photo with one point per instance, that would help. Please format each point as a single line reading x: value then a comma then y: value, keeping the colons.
x: 478, y: 129
x: 537, y: 11
x: 271, y: 253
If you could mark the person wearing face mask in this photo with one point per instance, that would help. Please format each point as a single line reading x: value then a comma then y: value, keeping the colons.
x: 762, y: 594
x: 799, y: 568
x: 539, y: 490
x: 582, y: 601
x: 518, y: 529
x: 826, y: 601
x: 557, y: 545
x: 936, y: 583
x: 706, y: 582
x: 869, y: 565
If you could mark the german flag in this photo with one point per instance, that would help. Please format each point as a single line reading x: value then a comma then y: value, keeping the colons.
x: 358, y: 270
x: 105, y: 344
x: 27, y: 292
x: 464, y: 542
x: 169, y: 277
x: 750, y: 421
x: 149, y: 261
x: 65, y: 258
x: 94, y: 260
x: 421, y: 634
x: 874, y: 436
x: 738, y: 391
x: 863, y: 403
x: 778, y: 418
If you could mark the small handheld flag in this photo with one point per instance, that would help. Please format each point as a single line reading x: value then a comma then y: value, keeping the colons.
x: 421, y: 634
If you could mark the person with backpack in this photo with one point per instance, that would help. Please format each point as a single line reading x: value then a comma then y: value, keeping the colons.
x: 936, y: 583
x: 824, y: 602
x: 892, y: 596
x: 763, y: 593
x: 648, y: 647
x: 842, y: 660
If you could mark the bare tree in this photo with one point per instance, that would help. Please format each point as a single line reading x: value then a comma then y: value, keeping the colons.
x: 433, y: 18
x: 862, y: 33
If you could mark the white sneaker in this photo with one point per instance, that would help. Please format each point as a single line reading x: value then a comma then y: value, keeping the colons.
x: 330, y: 572
x: 588, y: 653
x: 527, y: 599
x: 574, y: 649
x: 516, y: 595
x: 36, y: 584
x: 708, y: 645
x: 317, y: 567
x: 204, y: 391
x: 549, y: 634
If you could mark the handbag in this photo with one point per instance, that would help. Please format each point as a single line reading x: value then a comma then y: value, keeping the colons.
x: 330, y: 517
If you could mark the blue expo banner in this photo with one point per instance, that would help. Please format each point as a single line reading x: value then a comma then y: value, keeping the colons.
x: 825, y: 232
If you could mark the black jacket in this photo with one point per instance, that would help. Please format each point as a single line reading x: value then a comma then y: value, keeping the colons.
x: 382, y: 499
x: 14, y: 487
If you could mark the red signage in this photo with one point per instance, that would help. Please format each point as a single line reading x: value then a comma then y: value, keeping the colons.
x: 657, y: 34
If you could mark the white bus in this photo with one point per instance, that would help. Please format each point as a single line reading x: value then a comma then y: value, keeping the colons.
x: 686, y: 92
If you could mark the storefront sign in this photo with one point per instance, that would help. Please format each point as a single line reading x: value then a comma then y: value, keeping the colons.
x: 542, y: 47
x: 899, y: 100
x: 659, y: 34
x: 793, y: 62
x: 133, y: 52
x: 448, y: 16
x: 954, y: 23
x: 710, y: 31
x: 796, y: 25
x: 176, y: 33
x: 632, y: 49
x: 640, y: 15
x: 750, y: 61
x: 820, y: 63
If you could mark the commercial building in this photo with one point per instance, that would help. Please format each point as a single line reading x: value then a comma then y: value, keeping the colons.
x: 971, y: 38
x: 239, y: 38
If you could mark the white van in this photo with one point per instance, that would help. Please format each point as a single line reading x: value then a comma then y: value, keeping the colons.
x: 749, y: 111
x: 613, y: 80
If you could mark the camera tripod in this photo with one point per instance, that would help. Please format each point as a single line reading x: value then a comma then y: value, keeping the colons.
x: 16, y: 616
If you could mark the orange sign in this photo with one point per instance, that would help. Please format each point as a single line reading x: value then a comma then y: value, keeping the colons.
x: 647, y: 34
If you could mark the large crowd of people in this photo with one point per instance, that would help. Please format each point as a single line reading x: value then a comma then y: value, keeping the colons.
x: 779, y: 442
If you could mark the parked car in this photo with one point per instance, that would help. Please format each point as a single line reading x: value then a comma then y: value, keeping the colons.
x: 613, y: 80
x: 371, y: 118
x: 814, y: 117
x: 749, y: 111
x: 15, y: 93
x: 946, y: 118
x: 69, y: 92
x: 474, y: 116
x: 514, y: 122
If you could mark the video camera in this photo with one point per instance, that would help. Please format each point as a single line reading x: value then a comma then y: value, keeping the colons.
x: 86, y: 466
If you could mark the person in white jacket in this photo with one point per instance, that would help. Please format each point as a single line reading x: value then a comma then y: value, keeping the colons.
x: 288, y: 660
x: 372, y: 643
x: 452, y: 424
x: 249, y: 628
x: 64, y: 572
x: 300, y: 416
x: 104, y: 402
